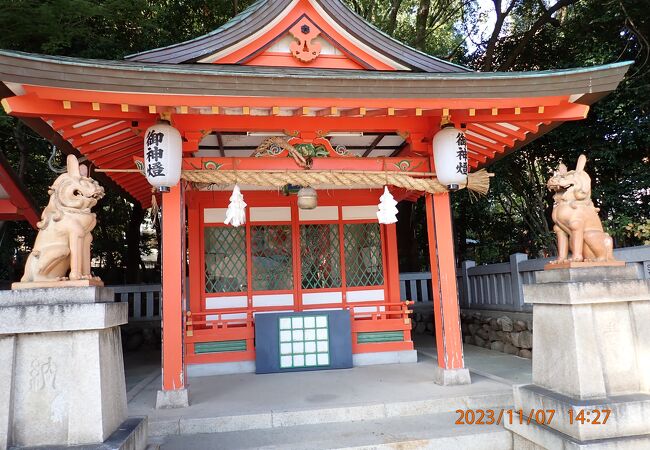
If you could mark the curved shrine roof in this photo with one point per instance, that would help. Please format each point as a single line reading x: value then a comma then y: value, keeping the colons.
x: 260, y: 17
x: 255, y: 81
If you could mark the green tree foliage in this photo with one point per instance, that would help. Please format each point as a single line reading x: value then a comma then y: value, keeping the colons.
x: 428, y: 25
x: 615, y: 136
x: 102, y: 29
x: 522, y: 35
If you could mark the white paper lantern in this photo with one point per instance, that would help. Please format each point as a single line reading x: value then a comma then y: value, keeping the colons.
x: 163, y: 156
x: 450, y: 157
x: 387, y: 213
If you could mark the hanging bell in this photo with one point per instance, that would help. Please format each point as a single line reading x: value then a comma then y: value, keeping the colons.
x: 307, y: 198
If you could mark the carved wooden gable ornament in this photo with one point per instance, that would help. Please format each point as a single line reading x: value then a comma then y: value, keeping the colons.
x: 305, y: 49
x: 303, y: 35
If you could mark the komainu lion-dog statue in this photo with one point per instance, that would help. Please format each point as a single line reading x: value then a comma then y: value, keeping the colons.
x: 64, y: 237
x: 577, y: 225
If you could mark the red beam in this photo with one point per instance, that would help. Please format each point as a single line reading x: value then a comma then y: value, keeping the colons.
x: 118, y: 147
x: 92, y: 138
x: 506, y: 140
x: 193, y: 122
x: 146, y: 99
x: 8, y: 208
x: 482, y: 152
x: 569, y: 111
x: 116, y: 158
x: 32, y: 106
x: 120, y: 139
x: 70, y: 132
x: 59, y: 123
x: 517, y: 134
x: 415, y: 164
x: 485, y: 143
x: 532, y: 127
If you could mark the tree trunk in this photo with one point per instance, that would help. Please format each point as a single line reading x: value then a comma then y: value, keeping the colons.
x: 21, y: 143
x: 546, y: 17
x: 392, y: 16
x: 133, y: 258
x: 421, y: 21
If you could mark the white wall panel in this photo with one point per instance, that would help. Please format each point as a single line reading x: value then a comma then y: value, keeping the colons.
x: 240, y: 301
x: 227, y: 316
x: 270, y: 214
x: 273, y: 300
x: 370, y: 295
x: 360, y: 212
x: 315, y: 298
x: 319, y: 213
x: 214, y: 215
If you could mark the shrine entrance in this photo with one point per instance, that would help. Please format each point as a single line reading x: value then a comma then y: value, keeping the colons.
x: 219, y: 94
x: 287, y: 259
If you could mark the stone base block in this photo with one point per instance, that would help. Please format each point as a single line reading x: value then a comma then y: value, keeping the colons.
x: 375, y: 358
x: 540, y: 437
x: 55, y: 284
x: 593, y: 350
x: 583, y: 264
x: 359, y: 359
x: 177, y: 398
x: 57, y: 296
x: 586, y: 274
x: 130, y: 435
x: 225, y: 368
x: 628, y: 413
x: 451, y: 377
x: 61, y: 371
x: 62, y: 388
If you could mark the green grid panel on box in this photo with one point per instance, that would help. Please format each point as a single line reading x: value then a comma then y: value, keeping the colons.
x: 304, y: 342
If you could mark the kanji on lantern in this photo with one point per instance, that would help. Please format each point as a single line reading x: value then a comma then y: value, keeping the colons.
x: 155, y: 170
x: 163, y: 154
x: 450, y: 157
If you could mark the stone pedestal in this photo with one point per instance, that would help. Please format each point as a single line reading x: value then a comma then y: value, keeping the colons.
x: 592, y: 353
x: 176, y: 398
x: 451, y: 377
x: 62, y: 373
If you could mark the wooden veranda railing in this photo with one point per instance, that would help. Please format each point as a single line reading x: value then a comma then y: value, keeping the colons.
x: 491, y: 286
x: 500, y: 286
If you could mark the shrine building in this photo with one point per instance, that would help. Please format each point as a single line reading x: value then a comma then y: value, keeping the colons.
x: 290, y: 95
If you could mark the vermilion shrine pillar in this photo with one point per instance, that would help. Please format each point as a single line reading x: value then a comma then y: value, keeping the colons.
x: 174, y: 392
x: 451, y: 367
x: 449, y: 341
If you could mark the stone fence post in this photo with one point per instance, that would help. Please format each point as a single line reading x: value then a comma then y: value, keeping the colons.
x: 466, y: 294
x: 516, y: 281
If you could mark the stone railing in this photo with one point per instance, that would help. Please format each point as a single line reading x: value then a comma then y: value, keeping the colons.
x: 490, y: 287
x: 500, y: 286
x: 143, y: 300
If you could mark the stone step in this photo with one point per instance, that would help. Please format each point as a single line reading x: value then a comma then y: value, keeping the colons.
x: 190, y: 424
x: 427, y: 431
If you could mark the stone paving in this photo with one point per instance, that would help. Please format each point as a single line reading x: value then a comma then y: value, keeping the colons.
x: 267, y: 410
